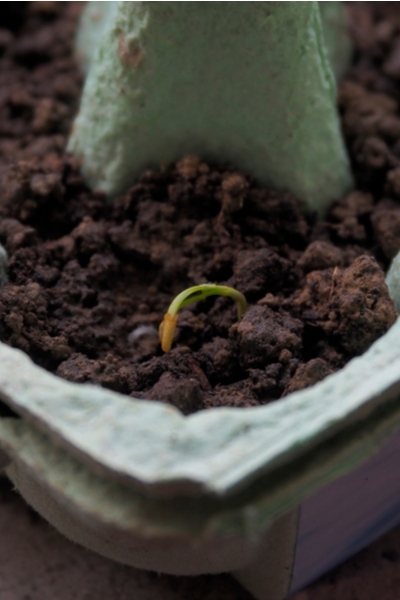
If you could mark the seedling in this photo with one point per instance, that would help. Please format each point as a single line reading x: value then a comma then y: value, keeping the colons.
x: 192, y: 294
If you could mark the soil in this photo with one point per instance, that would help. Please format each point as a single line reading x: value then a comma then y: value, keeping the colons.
x: 88, y: 285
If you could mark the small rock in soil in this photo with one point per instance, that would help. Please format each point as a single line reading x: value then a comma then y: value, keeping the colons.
x: 260, y: 271
x: 320, y: 255
x: 262, y: 335
x: 308, y: 374
x: 185, y: 393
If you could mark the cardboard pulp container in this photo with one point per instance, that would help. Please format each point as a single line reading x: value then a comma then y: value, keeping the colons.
x: 216, y: 491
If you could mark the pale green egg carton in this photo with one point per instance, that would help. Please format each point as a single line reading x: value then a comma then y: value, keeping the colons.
x: 249, y: 83
x: 140, y: 483
x: 219, y: 490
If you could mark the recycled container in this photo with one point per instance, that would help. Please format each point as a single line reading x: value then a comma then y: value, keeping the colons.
x: 215, y: 491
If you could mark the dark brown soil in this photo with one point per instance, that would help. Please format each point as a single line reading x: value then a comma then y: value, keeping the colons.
x: 88, y: 286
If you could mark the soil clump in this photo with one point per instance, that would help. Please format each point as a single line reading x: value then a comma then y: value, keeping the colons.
x: 88, y: 285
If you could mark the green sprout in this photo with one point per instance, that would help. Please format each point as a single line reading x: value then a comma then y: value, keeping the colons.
x: 198, y: 292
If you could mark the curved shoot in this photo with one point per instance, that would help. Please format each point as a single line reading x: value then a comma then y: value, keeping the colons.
x: 193, y: 294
